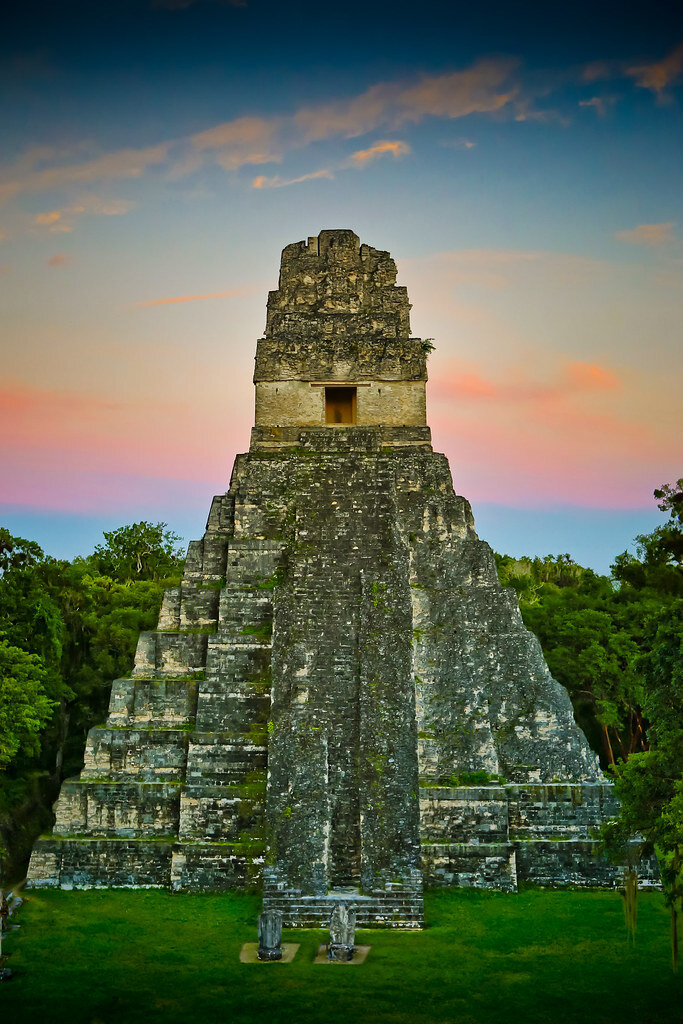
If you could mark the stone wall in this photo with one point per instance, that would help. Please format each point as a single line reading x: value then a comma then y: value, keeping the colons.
x: 302, y: 403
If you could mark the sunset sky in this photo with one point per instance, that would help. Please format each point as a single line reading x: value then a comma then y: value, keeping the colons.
x: 522, y: 162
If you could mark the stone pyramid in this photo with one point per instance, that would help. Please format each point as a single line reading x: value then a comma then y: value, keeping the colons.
x: 338, y: 660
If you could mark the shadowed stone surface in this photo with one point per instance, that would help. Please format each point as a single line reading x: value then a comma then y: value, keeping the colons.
x: 342, y: 932
x: 339, y: 651
x: 270, y: 935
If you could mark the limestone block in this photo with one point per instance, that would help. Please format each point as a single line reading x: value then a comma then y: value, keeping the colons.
x: 252, y: 561
x: 244, y: 616
x: 206, y: 557
x: 224, y: 813
x: 117, y: 809
x: 164, y: 703
x: 559, y: 811
x: 231, y: 665
x: 146, y: 755
x: 44, y: 866
x: 221, y: 515
x: 478, y: 866
x: 213, y: 759
x: 232, y: 712
x: 464, y: 815
x: 170, y: 654
x: 169, y: 616
x: 121, y: 863
x: 198, y: 604
x: 201, y: 867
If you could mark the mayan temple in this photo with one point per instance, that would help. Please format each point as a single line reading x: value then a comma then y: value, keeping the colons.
x: 339, y: 656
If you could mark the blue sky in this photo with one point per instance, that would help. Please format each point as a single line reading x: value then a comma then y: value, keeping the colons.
x: 520, y: 161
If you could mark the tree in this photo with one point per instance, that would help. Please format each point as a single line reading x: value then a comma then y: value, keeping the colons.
x: 142, y: 551
x: 650, y: 784
x: 24, y: 704
x: 17, y: 553
x: 657, y: 563
x: 591, y: 637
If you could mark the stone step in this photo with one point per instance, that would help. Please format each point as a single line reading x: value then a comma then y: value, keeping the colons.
x: 148, y: 755
x: 170, y: 654
x: 85, y: 863
x: 316, y: 911
x: 207, y: 556
x: 231, y: 712
x: 217, y: 815
x: 228, y: 666
x: 165, y: 703
x: 117, y: 809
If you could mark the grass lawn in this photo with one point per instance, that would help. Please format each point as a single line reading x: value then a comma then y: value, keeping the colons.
x: 484, y: 958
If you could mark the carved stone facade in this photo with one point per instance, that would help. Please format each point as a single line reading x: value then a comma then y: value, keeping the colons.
x: 339, y: 652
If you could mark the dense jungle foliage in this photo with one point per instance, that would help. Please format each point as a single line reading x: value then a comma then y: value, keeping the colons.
x: 617, y: 645
x: 67, y: 629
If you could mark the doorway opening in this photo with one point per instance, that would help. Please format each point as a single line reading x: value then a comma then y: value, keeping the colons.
x: 340, y: 406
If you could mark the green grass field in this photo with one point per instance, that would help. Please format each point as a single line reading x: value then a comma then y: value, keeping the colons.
x: 484, y: 958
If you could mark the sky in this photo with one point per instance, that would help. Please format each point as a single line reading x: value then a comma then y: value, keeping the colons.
x: 521, y: 162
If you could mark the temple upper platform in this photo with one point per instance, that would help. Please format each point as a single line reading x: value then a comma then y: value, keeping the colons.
x: 337, y: 350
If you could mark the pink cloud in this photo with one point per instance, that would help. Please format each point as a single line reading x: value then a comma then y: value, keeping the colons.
x: 590, y: 377
x: 573, y: 378
x: 60, y: 259
x: 572, y: 438
x: 71, y: 450
x: 230, y: 293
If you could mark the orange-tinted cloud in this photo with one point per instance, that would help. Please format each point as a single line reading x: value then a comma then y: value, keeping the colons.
x: 483, y: 88
x: 263, y: 182
x: 360, y: 159
x: 229, y: 294
x: 59, y: 260
x: 572, y: 378
x: 659, y: 75
x: 62, y: 220
x: 486, y: 87
x: 364, y: 156
x: 246, y: 140
x: 590, y: 377
x: 27, y: 176
x: 48, y: 218
x: 648, y: 234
